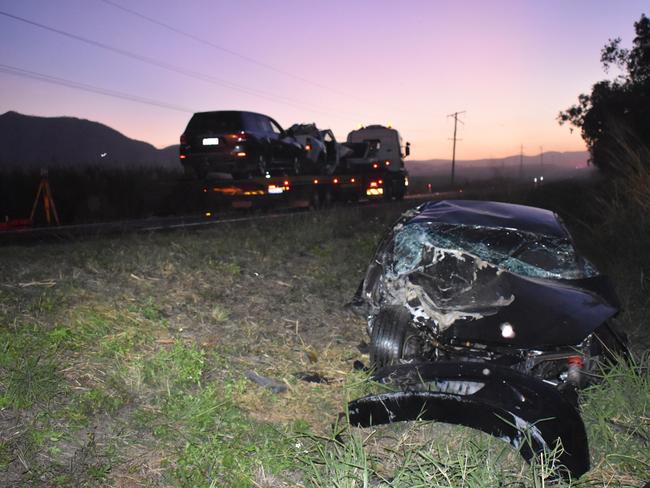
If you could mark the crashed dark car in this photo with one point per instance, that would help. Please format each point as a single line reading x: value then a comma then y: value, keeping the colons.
x: 483, y: 314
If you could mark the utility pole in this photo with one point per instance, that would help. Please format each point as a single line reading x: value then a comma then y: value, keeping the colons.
x: 453, y: 154
x: 521, y: 162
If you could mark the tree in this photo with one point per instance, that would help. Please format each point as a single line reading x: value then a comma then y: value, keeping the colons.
x: 614, y: 118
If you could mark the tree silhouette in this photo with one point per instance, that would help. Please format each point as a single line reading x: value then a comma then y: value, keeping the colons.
x: 614, y: 118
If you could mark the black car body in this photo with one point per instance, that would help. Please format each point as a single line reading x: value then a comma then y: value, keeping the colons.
x: 238, y: 143
x: 485, y: 315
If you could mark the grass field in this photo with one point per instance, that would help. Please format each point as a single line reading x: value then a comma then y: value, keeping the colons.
x: 126, y: 361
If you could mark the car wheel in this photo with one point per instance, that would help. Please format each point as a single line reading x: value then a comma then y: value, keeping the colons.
x: 393, y: 339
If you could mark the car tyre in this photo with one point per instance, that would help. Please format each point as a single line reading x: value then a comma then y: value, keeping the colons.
x: 393, y: 339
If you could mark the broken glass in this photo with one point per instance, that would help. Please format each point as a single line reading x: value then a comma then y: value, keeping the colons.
x: 533, y: 255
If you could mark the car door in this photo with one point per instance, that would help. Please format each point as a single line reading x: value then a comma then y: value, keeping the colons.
x: 282, y: 151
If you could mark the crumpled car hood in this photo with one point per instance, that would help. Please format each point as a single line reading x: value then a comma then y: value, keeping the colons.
x: 466, y: 268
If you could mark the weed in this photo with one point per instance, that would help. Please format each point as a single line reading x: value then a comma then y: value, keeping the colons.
x: 178, y: 367
x: 218, y: 313
x: 617, y: 419
x: 6, y: 455
x: 32, y: 379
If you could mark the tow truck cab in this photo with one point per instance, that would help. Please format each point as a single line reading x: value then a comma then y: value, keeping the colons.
x: 389, y: 151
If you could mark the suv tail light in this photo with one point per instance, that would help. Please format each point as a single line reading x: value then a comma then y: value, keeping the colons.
x: 237, y: 137
x: 183, y: 139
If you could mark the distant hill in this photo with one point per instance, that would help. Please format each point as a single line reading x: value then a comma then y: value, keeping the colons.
x: 566, y: 160
x: 33, y: 142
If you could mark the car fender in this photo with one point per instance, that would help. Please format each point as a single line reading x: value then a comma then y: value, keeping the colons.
x: 529, y: 414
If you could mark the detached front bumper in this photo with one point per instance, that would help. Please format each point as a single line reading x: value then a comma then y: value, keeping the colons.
x: 524, y: 411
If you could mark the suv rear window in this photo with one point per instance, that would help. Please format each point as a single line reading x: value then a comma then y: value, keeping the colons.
x: 215, y: 122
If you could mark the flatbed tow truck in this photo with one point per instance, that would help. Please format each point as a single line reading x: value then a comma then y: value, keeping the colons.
x: 304, y: 191
x: 375, y: 173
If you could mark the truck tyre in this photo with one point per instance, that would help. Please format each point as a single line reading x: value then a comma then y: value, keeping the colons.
x: 401, y: 191
x: 327, y: 199
x: 388, y: 190
x: 315, y: 201
x: 393, y: 339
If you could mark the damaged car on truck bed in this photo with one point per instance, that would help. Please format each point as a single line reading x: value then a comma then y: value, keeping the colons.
x: 483, y: 314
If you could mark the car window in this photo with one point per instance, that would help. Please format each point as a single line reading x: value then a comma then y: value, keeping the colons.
x: 275, y: 127
x: 262, y: 124
x: 524, y: 253
x: 215, y: 122
x: 373, y: 144
x: 252, y: 122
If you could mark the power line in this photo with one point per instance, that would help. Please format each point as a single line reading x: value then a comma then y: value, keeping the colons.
x: 88, y: 88
x: 170, y: 67
x: 224, y: 49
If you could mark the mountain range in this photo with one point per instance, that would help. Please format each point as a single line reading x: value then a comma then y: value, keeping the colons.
x: 33, y: 142
x: 30, y: 142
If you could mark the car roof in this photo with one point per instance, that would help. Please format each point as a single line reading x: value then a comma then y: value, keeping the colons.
x: 491, y: 214
x: 215, y: 112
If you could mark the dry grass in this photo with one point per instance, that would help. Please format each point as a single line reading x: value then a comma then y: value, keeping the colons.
x: 138, y: 349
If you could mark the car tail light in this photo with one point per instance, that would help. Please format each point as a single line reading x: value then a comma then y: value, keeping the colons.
x: 237, y: 137
x: 307, y: 147
x: 183, y: 139
x: 182, y: 156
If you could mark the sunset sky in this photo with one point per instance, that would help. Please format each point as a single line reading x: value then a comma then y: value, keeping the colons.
x: 511, y: 65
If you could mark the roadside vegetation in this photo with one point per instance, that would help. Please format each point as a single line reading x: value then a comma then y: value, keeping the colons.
x: 97, y: 194
x: 127, y: 361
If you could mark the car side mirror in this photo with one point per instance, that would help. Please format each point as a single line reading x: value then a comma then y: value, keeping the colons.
x: 407, y: 149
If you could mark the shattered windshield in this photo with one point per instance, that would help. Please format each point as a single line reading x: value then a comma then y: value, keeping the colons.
x: 523, y: 253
